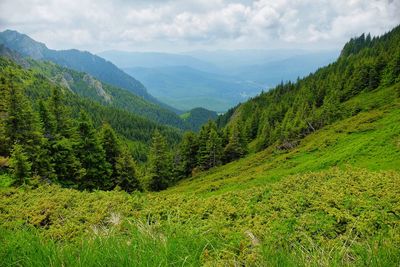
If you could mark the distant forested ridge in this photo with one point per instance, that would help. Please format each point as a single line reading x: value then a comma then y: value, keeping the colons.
x: 197, y: 117
x: 82, y: 61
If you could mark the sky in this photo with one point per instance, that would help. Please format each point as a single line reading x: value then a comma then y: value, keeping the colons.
x: 183, y: 25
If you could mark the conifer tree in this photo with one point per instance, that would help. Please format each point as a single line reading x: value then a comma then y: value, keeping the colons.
x: 159, y: 163
x: 214, y: 149
x: 202, y: 156
x: 252, y: 125
x: 48, y: 120
x: 60, y: 113
x: 3, y: 95
x: 21, y: 125
x: 66, y: 165
x: 265, y: 137
x: 92, y: 156
x: 125, y: 172
x: 113, y: 150
x: 20, y: 164
x: 330, y: 109
x: 18, y: 125
x: 236, y: 148
x: 188, y: 153
x: 210, y: 146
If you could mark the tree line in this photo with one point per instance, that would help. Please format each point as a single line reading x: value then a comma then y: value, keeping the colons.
x: 50, y: 144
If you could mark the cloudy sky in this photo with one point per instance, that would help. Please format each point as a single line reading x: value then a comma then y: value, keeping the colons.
x: 182, y: 25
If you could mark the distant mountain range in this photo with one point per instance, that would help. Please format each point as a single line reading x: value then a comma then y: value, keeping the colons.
x: 81, y: 80
x: 216, y: 80
x: 156, y: 59
x: 186, y: 87
x: 77, y: 60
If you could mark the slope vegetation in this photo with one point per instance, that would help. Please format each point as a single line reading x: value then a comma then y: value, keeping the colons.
x: 322, y: 190
x: 332, y: 200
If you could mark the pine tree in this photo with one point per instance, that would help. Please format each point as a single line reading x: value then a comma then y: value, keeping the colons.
x: 125, y: 172
x: 92, y: 156
x: 159, y: 163
x: 20, y: 164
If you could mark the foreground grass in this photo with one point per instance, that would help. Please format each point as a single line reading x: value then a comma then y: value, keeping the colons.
x: 332, y: 201
x: 333, y: 217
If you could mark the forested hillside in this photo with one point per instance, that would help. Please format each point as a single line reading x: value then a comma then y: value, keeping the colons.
x: 294, y: 110
x: 197, y: 117
x: 52, y: 134
x: 87, y: 86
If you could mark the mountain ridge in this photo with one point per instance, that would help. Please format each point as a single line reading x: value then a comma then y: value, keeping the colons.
x: 83, y: 61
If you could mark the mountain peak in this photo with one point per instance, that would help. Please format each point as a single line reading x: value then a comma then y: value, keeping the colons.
x: 23, y: 44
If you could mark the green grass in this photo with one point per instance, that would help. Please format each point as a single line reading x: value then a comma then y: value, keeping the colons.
x: 141, y: 247
x: 333, y: 217
x: 185, y: 116
x: 334, y: 200
x: 5, y: 180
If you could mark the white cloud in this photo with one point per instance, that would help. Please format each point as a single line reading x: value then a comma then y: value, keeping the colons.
x: 182, y: 25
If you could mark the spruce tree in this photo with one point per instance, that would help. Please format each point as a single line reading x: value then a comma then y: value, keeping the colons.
x: 210, y: 146
x: 125, y: 172
x: 214, y: 149
x: 159, y: 163
x: 113, y: 150
x: 48, y: 120
x: 188, y: 153
x: 67, y: 166
x: 202, y: 156
x: 20, y: 164
x: 236, y: 148
x: 21, y: 125
x: 265, y: 138
x: 3, y: 95
x: 92, y: 156
x: 60, y: 113
x: 18, y: 125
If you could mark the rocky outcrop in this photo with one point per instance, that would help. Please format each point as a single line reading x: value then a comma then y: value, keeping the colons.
x: 97, y: 85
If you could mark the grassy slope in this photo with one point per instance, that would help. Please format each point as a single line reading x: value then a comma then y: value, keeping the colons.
x: 368, y: 140
x: 333, y: 200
